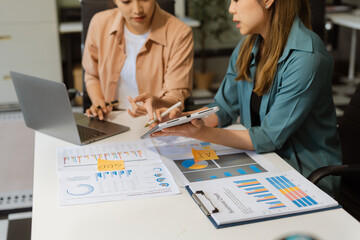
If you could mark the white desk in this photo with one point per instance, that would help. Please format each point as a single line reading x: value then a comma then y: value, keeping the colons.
x: 161, y: 218
x: 352, y: 21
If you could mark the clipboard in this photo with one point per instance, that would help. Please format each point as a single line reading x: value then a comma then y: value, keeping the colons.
x: 211, y: 207
x: 181, y: 120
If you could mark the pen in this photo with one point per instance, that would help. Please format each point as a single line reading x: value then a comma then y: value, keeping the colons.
x: 164, y: 113
x: 113, y: 103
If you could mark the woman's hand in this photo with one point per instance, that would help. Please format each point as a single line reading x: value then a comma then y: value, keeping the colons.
x: 176, y: 113
x: 98, y: 109
x: 147, y: 107
x: 195, y: 129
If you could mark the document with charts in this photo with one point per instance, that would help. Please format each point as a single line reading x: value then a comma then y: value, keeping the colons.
x: 143, y: 173
x: 231, y: 162
x: 246, y: 199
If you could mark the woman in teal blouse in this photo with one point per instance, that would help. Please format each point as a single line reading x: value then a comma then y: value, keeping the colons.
x: 279, y: 83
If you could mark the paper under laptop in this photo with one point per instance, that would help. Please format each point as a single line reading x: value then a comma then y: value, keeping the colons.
x: 46, y: 108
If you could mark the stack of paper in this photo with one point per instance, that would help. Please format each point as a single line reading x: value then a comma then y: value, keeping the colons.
x: 258, y: 197
x: 111, y: 172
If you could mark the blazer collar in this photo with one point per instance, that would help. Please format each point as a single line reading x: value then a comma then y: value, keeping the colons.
x: 299, y: 39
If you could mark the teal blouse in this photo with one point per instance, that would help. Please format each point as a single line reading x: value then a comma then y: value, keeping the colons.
x: 298, y: 119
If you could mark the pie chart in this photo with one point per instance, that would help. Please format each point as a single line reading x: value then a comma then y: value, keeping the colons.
x: 190, y: 164
x: 80, y: 190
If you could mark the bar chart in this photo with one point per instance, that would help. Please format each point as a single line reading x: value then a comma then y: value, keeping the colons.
x: 231, y: 165
x: 262, y: 195
x: 91, y: 159
x: 70, y: 158
x: 113, y: 174
x: 291, y: 191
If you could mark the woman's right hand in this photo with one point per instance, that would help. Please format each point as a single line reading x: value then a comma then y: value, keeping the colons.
x: 176, y: 113
x: 211, y: 121
x: 98, y: 109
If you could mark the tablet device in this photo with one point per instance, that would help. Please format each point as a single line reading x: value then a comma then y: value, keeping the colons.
x: 181, y: 120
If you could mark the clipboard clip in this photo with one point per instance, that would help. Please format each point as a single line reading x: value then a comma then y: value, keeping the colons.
x: 201, y: 204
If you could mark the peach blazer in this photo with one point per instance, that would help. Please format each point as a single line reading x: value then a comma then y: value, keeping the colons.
x: 164, y: 65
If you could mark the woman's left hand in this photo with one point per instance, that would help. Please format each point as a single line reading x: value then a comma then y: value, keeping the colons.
x: 194, y: 129
x: 148, y: 102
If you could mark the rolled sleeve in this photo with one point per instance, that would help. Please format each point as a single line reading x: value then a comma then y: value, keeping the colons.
x: 261, y: 141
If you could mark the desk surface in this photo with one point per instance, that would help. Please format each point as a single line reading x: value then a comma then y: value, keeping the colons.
x: 171, y: 217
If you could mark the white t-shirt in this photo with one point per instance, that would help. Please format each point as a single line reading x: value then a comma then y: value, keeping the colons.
x: 127, y: 85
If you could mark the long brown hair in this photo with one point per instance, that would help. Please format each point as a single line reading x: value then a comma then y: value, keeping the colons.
x: 281, y: 16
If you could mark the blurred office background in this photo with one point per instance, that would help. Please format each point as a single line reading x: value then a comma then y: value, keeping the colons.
x: 43, y: 38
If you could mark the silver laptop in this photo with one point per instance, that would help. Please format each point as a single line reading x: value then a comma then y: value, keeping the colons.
x: 46, y: 108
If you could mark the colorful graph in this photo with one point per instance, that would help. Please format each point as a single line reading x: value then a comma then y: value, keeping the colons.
x: 205, y: 144
x: 265, y: 197
x: 230, y: 165
x: 252, y: 187
x: 92, y: 158
x: 190, y: 164
x: 112, y: 174
x: 80, y: 190
x: 255, y: 169
x: 247, y: 183
x: 256, y: 190
x: 276, y: 204
x: 291, y: 191
x: 160, y: 179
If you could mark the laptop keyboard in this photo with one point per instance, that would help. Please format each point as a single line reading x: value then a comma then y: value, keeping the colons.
x: 88, y: 133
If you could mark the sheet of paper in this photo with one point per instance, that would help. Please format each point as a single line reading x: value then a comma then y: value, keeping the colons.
x: 144, y: 174
x: 180, y: 147
x: 265, y: 195
x: 132, y: 153
x: 178, y: 156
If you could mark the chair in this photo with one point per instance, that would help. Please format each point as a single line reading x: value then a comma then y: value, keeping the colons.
x: 88, y: 10
x: 349, y: 131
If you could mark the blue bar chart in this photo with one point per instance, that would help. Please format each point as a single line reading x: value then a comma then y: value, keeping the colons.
x: 261, y: 194
x: 118, y: 174
x: 291, y: 191
x: 230, y: 165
